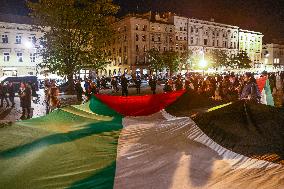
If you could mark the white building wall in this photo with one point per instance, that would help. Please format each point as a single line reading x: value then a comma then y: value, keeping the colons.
x: 28, y: 40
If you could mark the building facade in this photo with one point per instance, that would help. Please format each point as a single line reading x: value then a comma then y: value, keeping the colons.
x: 209, y: 35
x: 251, y: 43
x: 273, y: 56
x: 18, y: 46
x: 134, y: 36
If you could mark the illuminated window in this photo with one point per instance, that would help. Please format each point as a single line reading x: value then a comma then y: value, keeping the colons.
x: 20, y: 57
x: 18, y: 39
x: 32, y: 57
x: 6, y: 57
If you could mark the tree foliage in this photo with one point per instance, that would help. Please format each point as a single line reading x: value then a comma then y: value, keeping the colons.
x: 155, y: 60
x: 218, y: 59
x: 240, y: 61
x: 171, y: 61
x: 75, y: 32
x: 187, y: 59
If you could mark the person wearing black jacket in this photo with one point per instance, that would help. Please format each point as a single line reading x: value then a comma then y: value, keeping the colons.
x: 153, y: 84
x: 124, y: 85
x: 11, y: 93
x: 79, y: 91
x: 137, y: 82
x: 25, y: 94
x: 3, y: 95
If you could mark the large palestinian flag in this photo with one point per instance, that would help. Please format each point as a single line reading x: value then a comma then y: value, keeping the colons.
x: 264, y: 87
x: 120, y: 142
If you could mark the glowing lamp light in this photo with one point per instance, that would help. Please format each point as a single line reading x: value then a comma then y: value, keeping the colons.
x: 203, y: 63
x: 28, y: 44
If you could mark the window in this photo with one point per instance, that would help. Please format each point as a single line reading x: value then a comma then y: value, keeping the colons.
x: 6, y: 57
x: 18, y: 39
x: 4, y: 38
x: 125, y: 49
x: 136, y: 37
x: 191, y: 29
x: 180, y: 28
x: 32, y: 39
x: 32, y: 57
x: 20, y: 57
x: 159, y: 38
x: 143, y: 38
x: 205, y: 41
x: 137, y: 48
x: 165, y: 48
x: 144, y: 28
x: 176, y: 37
x: 171, y: 39
x: 184, y: 38
x: 145, y: 48
x: 191, y: 40
x: 171, y: 29
x: 137, y: 27
x: 276, y: 61
x: 153, y: 38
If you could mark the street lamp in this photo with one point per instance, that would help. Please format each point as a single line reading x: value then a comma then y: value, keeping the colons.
x: 203, y: 63
x: 28, y: 44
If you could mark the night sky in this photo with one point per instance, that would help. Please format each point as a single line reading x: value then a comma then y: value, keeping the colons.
x: 266, y: 16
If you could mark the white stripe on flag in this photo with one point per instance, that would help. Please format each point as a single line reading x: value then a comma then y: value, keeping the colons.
x: 162, y: 152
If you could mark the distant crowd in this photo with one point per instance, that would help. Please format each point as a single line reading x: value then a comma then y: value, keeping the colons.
x: 225, y: 87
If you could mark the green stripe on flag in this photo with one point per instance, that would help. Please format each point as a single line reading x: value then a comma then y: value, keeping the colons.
x: 269, y: 97
x: 65, y: 149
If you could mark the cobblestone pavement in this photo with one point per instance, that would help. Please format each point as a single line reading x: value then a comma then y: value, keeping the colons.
x: 39, y: 107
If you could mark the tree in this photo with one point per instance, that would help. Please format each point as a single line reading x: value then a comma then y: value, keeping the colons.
x: 155, y: 60
x: 187, y: 59
x: 75, y: 32
x: 240, y: 60
x: 219, y: 59
x: 171, y: 61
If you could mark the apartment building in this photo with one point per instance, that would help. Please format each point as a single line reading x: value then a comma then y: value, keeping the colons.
x: 135, y: 35
x: 273, y: 55
x: 251, y: 43
x: 209, y: 35
x: 18, y: 46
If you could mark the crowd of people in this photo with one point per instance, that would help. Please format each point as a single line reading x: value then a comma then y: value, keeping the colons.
x: 26, y: 93
x: 225, y: 87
